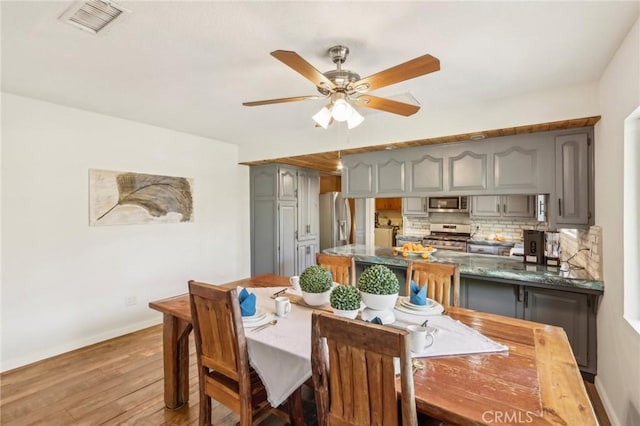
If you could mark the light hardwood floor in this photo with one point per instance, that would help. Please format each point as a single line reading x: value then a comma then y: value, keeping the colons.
x: 116, y: 382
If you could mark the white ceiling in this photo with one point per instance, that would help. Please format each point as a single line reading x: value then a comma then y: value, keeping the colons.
x: 189, y: 65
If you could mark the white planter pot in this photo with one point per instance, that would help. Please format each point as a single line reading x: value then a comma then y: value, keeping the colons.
x: 379, y: 301
x: 316, y: 299
x: 347, y: 314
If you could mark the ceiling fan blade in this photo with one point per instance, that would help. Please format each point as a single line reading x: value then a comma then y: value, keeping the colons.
x: 414, y: 68
x: 297, y: 63
x: 387, y: 105
x: 282, y: 100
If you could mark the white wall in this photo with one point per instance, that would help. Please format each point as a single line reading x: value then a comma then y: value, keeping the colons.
x: 618, y: 380
x: 64, y: 283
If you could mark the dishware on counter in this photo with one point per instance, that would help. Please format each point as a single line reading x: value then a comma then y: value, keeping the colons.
x: 283, y: 306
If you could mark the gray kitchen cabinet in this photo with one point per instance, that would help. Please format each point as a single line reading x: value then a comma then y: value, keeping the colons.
x: 306, y: 255
x: 276, y: 195
x: 264, y: 238
x: 485, y: 206
x: 540, y: 163
x: 358, y: 177
x: 488, y: 296
x: 287, y: 184
x: 512, y: 206
x: 414, y: 206
x: 522, y: 206
x: 287, y: 212
x: 563, y: 309
x: 575, y: 312
x: 573, y: 180
x: 308, y: 204
x: 516, y: 168
x: 389, y: 177
x: 468, y: 171
x: 426, y: 173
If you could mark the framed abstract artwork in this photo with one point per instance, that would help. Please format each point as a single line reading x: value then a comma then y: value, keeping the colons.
x: 126, y: 198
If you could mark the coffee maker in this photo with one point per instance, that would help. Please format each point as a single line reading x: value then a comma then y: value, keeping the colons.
x: 534, y: 246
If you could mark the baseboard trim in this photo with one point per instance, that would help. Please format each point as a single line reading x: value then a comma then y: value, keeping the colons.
x: 605, y: 402
x: 12, y: 364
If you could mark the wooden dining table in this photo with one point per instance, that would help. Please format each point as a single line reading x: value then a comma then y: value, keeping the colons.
x: 537, y: 381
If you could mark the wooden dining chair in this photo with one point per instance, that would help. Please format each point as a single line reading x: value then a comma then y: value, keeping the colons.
x: 223, y: 361
x: 342, y: 268
x: 439, y: 278
x: 353, y: 375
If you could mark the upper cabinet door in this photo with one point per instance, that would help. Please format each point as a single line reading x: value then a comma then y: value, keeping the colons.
x: 485, y: 205
x: 425, y: 174
x: 468, y: 172
x: 414, y: 206
x: 390, y: 177
x: 357, y: 180
x: 518, y: 206
x: 515, y: 168
x: 572, y: 182
x: 287, y: 184
x: 263, y: 183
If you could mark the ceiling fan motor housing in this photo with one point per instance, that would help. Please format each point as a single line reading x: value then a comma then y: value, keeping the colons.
x: 341, y: 78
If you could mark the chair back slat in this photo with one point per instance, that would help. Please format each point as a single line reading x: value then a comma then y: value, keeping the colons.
x: 216, y: 331
x: 342, y: 268
x: 354, y: 377
x: 439, y: 279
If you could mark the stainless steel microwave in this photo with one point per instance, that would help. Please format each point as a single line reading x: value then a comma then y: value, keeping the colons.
x: 449, y: 204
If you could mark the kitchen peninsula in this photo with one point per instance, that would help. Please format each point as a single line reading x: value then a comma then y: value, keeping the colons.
x: 512, y: 288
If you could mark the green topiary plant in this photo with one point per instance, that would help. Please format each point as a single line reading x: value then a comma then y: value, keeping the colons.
x: 315, y: 279
x: 378, y: 279
x: 345, y: 298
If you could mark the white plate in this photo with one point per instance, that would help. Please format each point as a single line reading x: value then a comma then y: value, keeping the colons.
x: 259, y: 315
x: 253, y: 324
x: 436, y: 310
x: 407, y: 304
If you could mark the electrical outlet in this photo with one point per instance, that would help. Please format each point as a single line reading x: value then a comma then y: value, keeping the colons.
x: 130, y: 301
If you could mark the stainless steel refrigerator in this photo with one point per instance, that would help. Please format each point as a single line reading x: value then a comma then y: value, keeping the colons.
x: 335, y: 220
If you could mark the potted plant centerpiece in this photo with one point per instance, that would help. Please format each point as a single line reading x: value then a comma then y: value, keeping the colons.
x: 379, y: 287
x: 315, y: 283
x: 345, y: 301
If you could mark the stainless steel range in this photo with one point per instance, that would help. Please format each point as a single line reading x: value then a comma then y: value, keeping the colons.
x: 448, y: 236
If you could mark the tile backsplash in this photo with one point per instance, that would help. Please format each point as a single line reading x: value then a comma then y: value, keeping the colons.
x: 571, y: 240
x: 481, y: 228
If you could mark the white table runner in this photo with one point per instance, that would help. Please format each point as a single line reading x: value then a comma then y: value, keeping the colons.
x: 281, y: 354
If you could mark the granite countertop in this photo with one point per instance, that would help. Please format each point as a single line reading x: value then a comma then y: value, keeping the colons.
x: 480, y: 265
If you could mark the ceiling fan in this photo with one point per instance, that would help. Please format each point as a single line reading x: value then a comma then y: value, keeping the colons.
x: 341, y: 86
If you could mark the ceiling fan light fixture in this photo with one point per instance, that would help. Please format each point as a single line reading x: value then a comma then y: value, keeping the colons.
x: 355, y: 119
x: 323, y: 117
x: 341, y: 110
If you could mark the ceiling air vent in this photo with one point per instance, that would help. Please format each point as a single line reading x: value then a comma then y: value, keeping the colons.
x: 93, y: 15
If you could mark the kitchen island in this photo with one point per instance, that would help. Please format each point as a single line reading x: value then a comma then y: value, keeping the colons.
x: 479, y: 266
x: 508, y: 286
